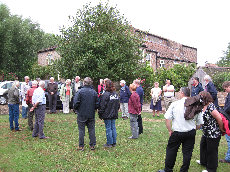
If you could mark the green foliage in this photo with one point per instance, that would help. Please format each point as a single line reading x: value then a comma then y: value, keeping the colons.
x: 179, y: 75
x: 44, y: 72
x: 7, y: 76
x: 20, y: 41
x: 225, y: 61
x: 100, y: 44
x: 219, y: 78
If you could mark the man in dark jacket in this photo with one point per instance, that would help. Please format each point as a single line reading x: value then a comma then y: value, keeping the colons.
x: 124, y: 99
x: 13, y: 103
x: 196, y: 87
x: 210, y: 87
x: 226, y: 87
x: 52, y: 89
x: 85, y: 103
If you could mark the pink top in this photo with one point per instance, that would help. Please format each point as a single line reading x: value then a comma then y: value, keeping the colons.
x: 67, y: 90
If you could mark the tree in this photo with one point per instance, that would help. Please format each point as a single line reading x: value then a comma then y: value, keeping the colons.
x: 20, y: 41
x: 225, y: 61
x: 100, y: 44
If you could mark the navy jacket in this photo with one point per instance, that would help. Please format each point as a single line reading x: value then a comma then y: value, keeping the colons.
x: 212, y: 90
x: 85, y: 103
x: 140, y: 92
x: 109, y: 106
x: 196, y: 90
x: 124, y: 94
x: 227, y: 104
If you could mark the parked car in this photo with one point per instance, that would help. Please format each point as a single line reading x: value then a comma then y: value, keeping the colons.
x: 4, y: 86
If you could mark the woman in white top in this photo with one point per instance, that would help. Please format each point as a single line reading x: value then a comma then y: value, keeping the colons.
x: 156, y: 99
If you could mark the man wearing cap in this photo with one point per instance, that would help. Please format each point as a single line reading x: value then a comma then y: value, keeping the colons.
x: 124, y: 99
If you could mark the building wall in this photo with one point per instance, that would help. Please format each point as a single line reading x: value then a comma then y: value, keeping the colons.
x: 169, y: 51
x: 46, y: 57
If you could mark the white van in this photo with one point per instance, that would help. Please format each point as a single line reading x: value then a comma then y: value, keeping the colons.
x: 4, y: 86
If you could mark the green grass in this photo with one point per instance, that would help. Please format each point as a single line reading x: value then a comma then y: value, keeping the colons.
x: 20, y: 152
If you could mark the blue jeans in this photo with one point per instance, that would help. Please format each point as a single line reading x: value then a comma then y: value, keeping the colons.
x: 24, y: 111
x: 227, y: 158
x: 14, y: 116
x: 111, y: 133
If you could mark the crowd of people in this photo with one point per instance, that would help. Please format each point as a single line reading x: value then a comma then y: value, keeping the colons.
x: 183, y: 117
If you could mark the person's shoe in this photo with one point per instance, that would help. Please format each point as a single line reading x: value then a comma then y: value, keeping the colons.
x: 107, y: 146
x: 198, y: 162
x: 223, y: 161
x: 45, y: 137
x: 114, y: 145
x: 80, y: 148
x: 131, y: 137
x: 18, y: 130
x: 161, y: 170
x: 92, y: 148
x: 204, y: 170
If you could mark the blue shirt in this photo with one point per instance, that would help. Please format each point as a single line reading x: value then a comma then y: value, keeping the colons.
x: 39, y: 96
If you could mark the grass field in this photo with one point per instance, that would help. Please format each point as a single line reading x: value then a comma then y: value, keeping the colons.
x: 20, y: 152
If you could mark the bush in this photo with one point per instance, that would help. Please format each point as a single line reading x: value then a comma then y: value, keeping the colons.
x: 219, y: 78
x: 7, y: 76
x: 44, y: 72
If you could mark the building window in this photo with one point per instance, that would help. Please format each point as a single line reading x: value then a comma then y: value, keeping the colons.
x: 49, y: 59
x: 162, y: 63
x: 148, y: 57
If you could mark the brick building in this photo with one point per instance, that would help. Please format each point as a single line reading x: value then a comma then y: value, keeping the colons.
x: 47, y: 56
x: 162, y: 52
x: 159, y: 51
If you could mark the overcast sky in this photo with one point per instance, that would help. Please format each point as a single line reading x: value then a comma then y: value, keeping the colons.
x: 203, y: 24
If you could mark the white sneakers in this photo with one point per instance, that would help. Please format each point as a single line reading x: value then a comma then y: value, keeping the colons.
x: 204, y: 171
x: 198, y: 162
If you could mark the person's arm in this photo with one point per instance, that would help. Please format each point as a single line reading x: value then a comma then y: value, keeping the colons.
x: 160, y: 93
x: 103, y: 104
x: 55, y: 88
x: 35, y: 105
x: 218, y: 118
x: 168, y: 126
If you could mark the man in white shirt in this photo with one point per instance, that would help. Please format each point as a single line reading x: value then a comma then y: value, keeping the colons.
x: 168, y: 90
x: 181, y: 132
x: 39, y: 105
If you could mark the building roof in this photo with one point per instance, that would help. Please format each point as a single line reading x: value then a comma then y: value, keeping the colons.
x: 169, y: 49
x: 47, y: 49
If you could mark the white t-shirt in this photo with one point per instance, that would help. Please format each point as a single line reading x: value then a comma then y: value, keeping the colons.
x: 155, y: 92
x: 169, y: 93
x: 176, y: 112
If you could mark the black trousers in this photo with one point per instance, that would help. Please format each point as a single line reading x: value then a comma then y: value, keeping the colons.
x: 140, y: 125
x: 52, y: 102
x: 187, y: 139
x: 209, y: 153
x: 90, y: 123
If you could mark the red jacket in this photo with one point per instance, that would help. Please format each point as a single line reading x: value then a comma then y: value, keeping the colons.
x: 134, y: 104
x: 29, y: 95
x: 226, y: 125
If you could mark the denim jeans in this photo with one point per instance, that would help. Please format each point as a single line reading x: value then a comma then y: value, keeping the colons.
x: 14, y: 116
x: 111, y: 133
x: 24, y: 111
x: 227, y: 158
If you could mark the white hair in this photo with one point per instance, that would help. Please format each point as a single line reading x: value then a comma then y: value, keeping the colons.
x: 52, y: 78
x: 122, y: 81
x: 207, y: 77
x: 68, y: 80
x: 34, y: 82
x: 26, y: 77
x: 16, y: 83
x: 78, y: 77
x: 42, y: 83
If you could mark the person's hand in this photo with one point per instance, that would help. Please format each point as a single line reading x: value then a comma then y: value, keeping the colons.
x: 52, y: 93
x: 170, y: 133
x: 32, y: 109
